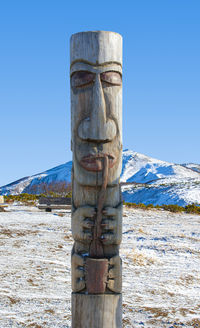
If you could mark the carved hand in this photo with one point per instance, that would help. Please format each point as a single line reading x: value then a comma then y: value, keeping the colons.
x: 112, y: 225
x: 82, y: 223
x: 115, y: 274
x: 78, y: 273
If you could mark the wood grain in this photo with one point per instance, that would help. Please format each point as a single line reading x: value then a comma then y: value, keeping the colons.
x: 105, y: 310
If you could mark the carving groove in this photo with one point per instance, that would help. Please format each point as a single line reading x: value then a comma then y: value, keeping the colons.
x: 96, y: 247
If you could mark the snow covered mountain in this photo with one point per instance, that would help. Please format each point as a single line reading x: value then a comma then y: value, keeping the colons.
x: 25, y: 185
x: 144, y: 180
x: 151, y: 181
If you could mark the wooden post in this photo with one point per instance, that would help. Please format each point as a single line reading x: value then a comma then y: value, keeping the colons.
x: 96, y: 129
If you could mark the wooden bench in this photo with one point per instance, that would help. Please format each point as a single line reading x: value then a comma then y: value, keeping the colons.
x: 49, y: 203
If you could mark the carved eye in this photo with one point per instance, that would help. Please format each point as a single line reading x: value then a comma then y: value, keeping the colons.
x: 113, y: 78
x: 82, y: 78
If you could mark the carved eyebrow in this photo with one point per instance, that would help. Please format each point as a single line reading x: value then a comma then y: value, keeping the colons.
x: 95, y: 64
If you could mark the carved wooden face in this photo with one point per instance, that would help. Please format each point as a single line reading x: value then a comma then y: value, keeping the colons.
x: 96, y: 104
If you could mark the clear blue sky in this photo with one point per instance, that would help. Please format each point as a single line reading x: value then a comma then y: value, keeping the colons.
x: 161, y: 80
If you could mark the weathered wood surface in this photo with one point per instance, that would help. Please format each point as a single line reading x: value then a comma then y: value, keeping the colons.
x: 96, y: 47
x: 96, y: 311
x: 96, y: 271
x: 96, y: 129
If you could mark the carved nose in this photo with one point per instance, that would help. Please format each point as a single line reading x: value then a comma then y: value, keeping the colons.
x: 97, y: 127
x: 98, y: 115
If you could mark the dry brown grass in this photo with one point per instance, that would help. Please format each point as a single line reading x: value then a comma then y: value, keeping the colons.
x: 17, y: 233
x: 126, y: 322
x: 140, y: 230
x: 138, y: 258
x: 195, y: 323
x: 171, y: 294
x: 6, y: 232
x: 60, y: 246
x: 34, y: 325
x: 17, y: 244
x: 38, y: 268
x: 156, y: 311
x: 13, y: 300
x: 188, y: 237
x: 186, y: 250
x: 49, y: 311
x: 187, y: 280
x: 185, y: 311
x: 67, y: 237
x: 31, y: 282
x: 61, y: 214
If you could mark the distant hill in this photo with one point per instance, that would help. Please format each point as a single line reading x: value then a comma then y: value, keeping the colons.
x: 144, y: 180
x: 27, y: 184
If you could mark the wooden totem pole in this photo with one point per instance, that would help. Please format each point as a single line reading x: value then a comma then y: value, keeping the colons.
x: 96, y: 128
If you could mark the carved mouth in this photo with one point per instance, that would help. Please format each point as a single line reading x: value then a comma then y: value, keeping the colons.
x: 94, y: 163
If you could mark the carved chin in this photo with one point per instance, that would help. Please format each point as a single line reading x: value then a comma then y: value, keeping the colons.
x: 95, y: 163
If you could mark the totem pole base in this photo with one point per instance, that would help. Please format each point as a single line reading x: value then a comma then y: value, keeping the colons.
x: 96, y: 311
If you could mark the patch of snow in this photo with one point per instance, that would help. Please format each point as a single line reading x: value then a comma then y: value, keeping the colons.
x: 161, y: 260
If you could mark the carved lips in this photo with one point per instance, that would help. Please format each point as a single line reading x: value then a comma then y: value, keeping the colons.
x: 95, y: 162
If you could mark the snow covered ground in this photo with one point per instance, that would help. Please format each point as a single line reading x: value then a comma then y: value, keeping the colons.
x: 161, y: 275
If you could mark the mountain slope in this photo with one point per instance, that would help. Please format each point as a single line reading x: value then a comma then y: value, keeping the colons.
x: 165, y: 183
x: 144, y: 180
x: 192, y: 166
x: 25, y: 185
x: 143, y: 169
